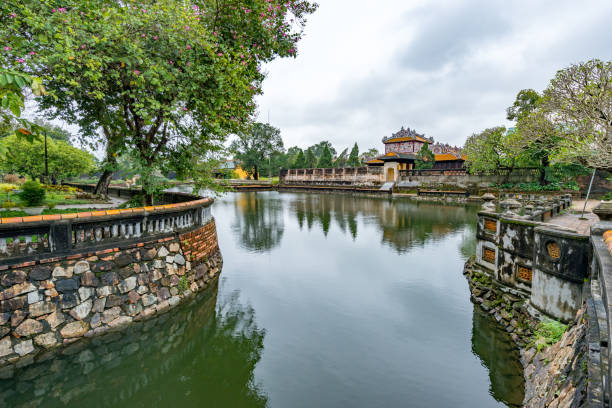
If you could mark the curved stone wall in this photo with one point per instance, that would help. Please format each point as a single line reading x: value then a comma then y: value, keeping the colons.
x: 65, y: 277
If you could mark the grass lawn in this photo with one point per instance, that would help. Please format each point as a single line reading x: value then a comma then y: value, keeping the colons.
x: 52, y: 198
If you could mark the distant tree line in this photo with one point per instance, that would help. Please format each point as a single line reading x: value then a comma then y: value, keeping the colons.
x: 261, y: 152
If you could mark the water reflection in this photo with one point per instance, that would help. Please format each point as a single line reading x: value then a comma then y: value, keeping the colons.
x: 191, y: 354
x: 258, y: 221
x: 402, y: 224
x: 499, y: 354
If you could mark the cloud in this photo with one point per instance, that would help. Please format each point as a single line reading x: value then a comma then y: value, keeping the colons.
x: 446, y: 68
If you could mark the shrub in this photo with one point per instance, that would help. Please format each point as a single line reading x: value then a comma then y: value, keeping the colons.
x: 608, y: 197
x: 32, y: 193
x: 8, y: 204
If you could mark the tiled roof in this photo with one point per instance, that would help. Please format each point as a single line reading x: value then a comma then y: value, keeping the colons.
x: 406, y: 135
x: 448, y: 157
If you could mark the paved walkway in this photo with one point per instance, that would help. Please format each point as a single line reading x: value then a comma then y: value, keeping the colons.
x: 114, y: 203
x: 574, y: 222
x: 577, y: 205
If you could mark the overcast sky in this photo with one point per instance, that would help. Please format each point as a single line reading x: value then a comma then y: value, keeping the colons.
x: 445, y: 68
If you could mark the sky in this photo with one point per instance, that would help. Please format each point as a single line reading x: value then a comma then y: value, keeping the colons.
x: 445, y: 68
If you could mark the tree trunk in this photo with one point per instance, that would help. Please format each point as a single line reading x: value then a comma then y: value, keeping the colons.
x: 103, y: 183
x: 255, y: 174
x: 545, y: 162
x: 507, y: 176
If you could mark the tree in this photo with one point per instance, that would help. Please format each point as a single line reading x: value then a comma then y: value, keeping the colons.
x: 254, y: 147
x: 325, y: 161
x: 526, y: 102
x: 24, y: 157
x: 318, y: 149
x: 300, y: 161
x: 578, y: 104
x: 353, y: 160
x: 425, y: 158
x: 311, y: 161
x: 342, y: 159
x: 369, y: 154
x: 488, y: 151
x: 53, y: 131
x: 534, y: 137
x: 166, y: 80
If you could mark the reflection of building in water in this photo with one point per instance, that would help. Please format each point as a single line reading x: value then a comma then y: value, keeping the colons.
x: 499, y: 354
x: 258, y: 221
x: 403, y: 224
x: 190, y: 353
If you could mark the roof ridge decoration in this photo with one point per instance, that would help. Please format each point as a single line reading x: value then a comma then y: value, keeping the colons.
x: 407, y: 133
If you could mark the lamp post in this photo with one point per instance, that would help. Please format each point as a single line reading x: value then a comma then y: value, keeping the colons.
x: 46, y: 161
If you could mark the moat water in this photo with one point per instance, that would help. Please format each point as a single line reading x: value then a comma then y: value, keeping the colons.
x: 325, y: 300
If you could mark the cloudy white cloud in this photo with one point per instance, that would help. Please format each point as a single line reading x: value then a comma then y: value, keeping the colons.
x: 447, y: 68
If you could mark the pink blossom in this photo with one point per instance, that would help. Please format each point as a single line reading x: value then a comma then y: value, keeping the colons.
x: 53, y: 10
x: 220, y: 54
x: 185, y: 108
x: 155, y: 37
x: 13, y: 15
x: 32, y: 53
x: 82, y: 46
x: 189, y: 47
x: 187, y: 28
x: 7, y: 48
x: 136, y: 72
x: 20, y: 60
x: 188, y: 63
x: 143, y: 35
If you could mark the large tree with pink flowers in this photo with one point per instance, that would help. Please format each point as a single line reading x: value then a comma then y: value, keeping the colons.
x: 162, y: 80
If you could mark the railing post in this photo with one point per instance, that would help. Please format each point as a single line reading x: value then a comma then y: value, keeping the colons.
x: 60, y: 236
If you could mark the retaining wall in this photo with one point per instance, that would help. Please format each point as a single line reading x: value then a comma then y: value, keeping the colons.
x: 65, y: 277
x: 537, y: 260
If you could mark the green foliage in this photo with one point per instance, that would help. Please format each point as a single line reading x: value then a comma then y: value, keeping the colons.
x: 353, y: 160
x: 526, y: 102
x: 310, y: 159
x: 535, y: 187
x: 164, y: 80
x: 425, y: 158
x: 300, y: 161
x: 183, y: 284
x: 547, y: 333
x: 32, y: 193
x: 488, y: 151
x: 342, y: 159
x: 24, y: 157
x: 607, y: 197
x: 325, y: 161
x: 253, y: 148
x: 319, y: 148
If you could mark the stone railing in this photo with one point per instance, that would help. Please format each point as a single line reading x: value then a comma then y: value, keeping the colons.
x: 598, y: 309
x: 541, y: 261
x: 365, y: 176
x: 68, y: 276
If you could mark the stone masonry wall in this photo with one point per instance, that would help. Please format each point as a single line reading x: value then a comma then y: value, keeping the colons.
x: 56, y: 301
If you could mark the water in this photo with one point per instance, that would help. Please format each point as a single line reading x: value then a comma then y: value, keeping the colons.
x: 325, y: 300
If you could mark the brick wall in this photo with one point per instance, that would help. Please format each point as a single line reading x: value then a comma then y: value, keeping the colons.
x: 198, y: 245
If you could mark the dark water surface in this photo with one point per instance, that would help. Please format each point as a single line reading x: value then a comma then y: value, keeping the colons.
x: 325, y: 300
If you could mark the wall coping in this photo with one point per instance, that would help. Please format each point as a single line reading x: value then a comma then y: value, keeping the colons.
x: 112, y: 213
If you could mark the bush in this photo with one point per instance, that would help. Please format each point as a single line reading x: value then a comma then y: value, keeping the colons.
x: 32, y: 193
x: 608, y: 197
x: 8, y: 204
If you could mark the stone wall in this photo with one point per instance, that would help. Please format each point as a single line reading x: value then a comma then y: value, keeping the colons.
x: 137, y: 358
x: 70, y: 276
x: 58, y: 301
